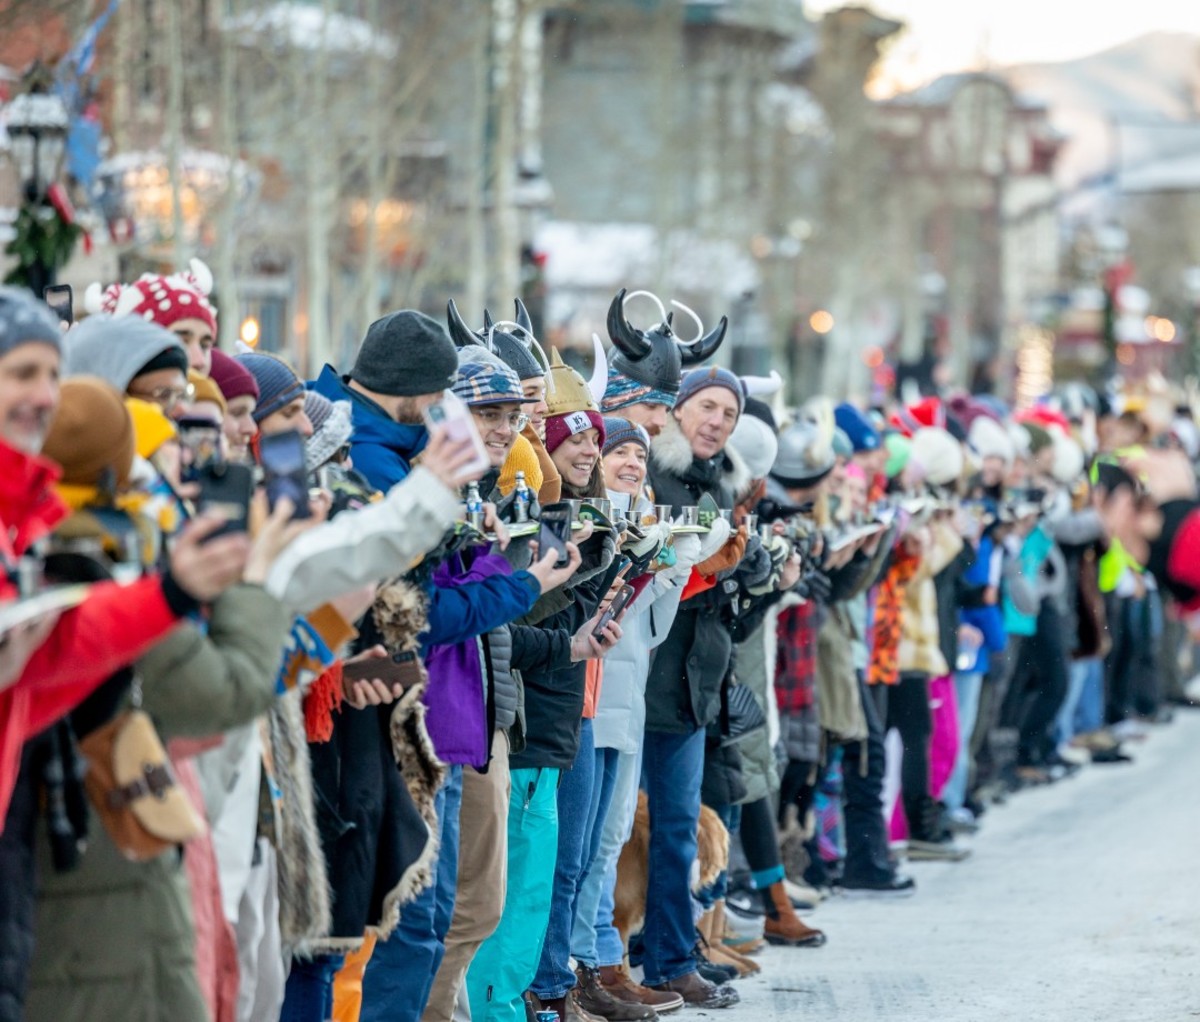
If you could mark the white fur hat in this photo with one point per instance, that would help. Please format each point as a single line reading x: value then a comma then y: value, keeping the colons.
x: 755, y: 441
x: 991, y: 440
x: 938, y: 453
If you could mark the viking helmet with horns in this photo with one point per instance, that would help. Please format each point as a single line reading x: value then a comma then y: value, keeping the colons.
x: 512, y: 341
x: 656, y: 357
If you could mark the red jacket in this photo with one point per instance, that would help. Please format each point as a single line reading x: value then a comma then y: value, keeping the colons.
x: 112, y: 627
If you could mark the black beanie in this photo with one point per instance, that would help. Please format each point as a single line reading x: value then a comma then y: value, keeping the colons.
x: 172, y: 358
x: 761, y: 411
x: 405, y: 354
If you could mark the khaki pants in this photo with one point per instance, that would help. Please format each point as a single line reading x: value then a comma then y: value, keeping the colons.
x: 482, y: 876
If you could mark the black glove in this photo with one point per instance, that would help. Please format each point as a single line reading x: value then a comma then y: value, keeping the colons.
x: 598, y: 553
x: 755, y: 569
x: 815, y: 586
x: 506, y: 508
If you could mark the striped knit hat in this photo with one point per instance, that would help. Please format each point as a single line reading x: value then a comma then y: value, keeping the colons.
x: 618, y: 431
x: 278, y: 385
x: 623, y: 391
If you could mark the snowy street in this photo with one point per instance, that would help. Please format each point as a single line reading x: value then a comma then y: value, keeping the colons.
x: 1081, y: 903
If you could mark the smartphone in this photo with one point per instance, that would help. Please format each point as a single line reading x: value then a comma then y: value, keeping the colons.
x: 453, y: 415
x: 619, y: 603
x: 225, y: 491
x: 284, y: 472
x: 555, y: 531
x: 62, y: 300
x: 200, y: 443
x: 397, y: 669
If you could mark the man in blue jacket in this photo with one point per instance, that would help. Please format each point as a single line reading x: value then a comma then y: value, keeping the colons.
x: 404, y: 365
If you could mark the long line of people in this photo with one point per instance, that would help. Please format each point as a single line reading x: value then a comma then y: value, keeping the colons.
x: 516, y: 692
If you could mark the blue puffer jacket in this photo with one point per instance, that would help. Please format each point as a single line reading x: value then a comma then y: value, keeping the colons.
x: 988, y: 619
x: 382, y: 449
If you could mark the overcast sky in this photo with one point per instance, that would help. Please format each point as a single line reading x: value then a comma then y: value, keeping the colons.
x: 954, y: 35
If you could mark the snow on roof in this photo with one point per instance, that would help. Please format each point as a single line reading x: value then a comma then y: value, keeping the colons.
x: 304, y: 27
x: 1173, y: 174
x: 607, y: 257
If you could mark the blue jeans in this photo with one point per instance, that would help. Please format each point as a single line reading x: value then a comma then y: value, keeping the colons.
x: 672, y: 769
x: 308, y: 995
x: 583, y: 794
x: 506, y: 962
x: 400, y: 973
x: 967, y: 686
x: 594, y: 939
x: 1089, y: 710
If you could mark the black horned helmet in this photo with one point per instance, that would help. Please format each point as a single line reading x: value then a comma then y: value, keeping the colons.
x: 511, y: 340
x: 656, y: 358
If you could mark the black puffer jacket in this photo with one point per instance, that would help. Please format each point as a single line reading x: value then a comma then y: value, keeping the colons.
x: 683, y: 692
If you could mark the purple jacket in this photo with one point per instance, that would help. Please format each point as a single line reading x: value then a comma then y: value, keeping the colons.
x: 466, y: 603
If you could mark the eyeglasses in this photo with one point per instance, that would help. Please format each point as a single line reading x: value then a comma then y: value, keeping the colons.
x: 492, y: 419
x: 167, y: 398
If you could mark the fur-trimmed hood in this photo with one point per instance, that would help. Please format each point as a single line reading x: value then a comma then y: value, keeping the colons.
x: 671, y: 458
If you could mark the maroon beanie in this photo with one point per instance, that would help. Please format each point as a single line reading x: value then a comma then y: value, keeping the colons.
x: 560, y: 427
x: 234, y: 379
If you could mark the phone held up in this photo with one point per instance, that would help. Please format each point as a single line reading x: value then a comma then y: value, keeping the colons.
x: 225, y: 492
x: 284, y: 474
x: 452, y: 414
x: 615, y: 609
x: 555, y: 531
x: 200, y: 440
x: 61, y: 299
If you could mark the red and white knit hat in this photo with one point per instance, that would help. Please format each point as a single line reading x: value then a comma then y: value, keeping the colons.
x: 160, y: 299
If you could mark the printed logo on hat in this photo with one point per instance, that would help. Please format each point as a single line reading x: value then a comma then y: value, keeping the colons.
x: 576, y: 422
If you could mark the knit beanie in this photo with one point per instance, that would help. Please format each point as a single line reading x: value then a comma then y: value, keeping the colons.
x: 842, y: 446
x: 1068, y: 459
x: 91, y: 434
x: 560, y: 427
x: 991, y: 440
x: 938, y: 454
x: 855, y: 424
x: 486, y: 379
x: 331, y: 428
x: 278, y: 385
x: 522, y: 458
x: 928, y: 411
x: 25, y: 320
x: 898, y: 448
x: 761, y: 411
x: 696, y: 380
x: 234, y: 379
x: 118, y: 349
x: 204, y: 389
x: 160, y: 299
x: 623, y: 391
x: 151, y: 427
x: 618, y: 431
x: 1039, y: 436
x: 404, y: 354
x: 756, y: 443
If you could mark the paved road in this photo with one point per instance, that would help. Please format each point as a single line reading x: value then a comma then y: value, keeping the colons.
x: 1081, y: 903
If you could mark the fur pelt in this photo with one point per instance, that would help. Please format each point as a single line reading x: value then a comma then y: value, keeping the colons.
x: 304, y: 896
x: 401, y: 614
x: 672, y: 451
x: 633, y: 867
x: 423, y: 775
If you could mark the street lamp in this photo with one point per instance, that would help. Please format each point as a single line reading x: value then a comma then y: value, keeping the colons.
x: 37, y: 123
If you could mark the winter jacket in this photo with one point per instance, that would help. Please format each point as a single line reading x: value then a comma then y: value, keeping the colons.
x: 192, y: 685
x: 382, y: 448
x: 920, y: 649
x: 114, y: 624
x: 683, y: 692
x: 988, y: 618
x: 1021, y: 600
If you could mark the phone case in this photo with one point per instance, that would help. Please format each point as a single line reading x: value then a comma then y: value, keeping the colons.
x: 225, y: 490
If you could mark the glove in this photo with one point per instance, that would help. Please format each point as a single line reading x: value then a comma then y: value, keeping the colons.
x: 598, y: 553
x: 815, y: 586
x: 519, y: 553
x: 647, y: 541
x: 687, y: 554
x: 756, y: 568
x: 506, y: 508
x: 727, y: 557
x: 716, y: 538
x: 779, y: 550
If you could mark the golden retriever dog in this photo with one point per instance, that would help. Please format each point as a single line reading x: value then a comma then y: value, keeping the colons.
x: 633, y: 871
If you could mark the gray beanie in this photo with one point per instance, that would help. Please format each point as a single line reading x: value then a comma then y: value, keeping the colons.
x: 25, y: 320
x: 406, y: 354
x: 116, y: 348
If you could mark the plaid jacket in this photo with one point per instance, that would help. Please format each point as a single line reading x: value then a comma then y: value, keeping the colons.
x: 796, y: 659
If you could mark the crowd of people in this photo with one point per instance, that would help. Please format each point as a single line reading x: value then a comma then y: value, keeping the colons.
x: 515, y: 692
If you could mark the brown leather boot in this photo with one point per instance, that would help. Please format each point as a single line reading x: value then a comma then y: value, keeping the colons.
x: 746, y: 966
x: 783, y: 926
x: 594, y: 998
x: 619, y: 984
x: 700, y: 993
